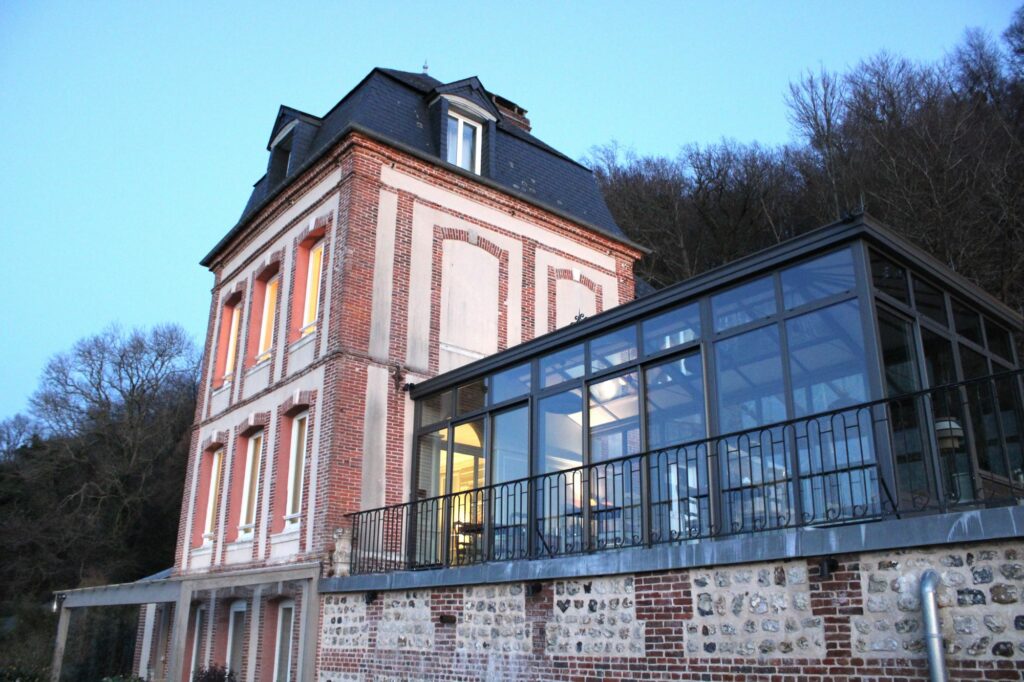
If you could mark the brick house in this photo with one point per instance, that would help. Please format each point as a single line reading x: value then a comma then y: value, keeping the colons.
x: 439, y: 437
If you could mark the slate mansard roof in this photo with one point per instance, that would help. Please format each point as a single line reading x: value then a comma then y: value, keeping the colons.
x: 395, y: 107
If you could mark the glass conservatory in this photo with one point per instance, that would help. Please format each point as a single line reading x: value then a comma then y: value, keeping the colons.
x: 841, y: 377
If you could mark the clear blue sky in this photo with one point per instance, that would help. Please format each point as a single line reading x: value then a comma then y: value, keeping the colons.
x: 134, y: 131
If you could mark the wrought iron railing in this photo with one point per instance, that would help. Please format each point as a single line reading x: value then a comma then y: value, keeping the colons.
x: 958, y: 445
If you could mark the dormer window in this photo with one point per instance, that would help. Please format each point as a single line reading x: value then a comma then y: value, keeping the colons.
x: 464, y: 138
x: 280, y: 155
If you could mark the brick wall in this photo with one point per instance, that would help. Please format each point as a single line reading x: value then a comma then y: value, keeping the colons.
x: 772, y: 621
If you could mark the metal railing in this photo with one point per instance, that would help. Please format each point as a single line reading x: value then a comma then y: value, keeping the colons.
x: 958, y: 445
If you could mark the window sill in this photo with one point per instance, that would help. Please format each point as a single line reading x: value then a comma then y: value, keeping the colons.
x: 217, y: 390
x: 290, y: 532
x: 241, y: 540
x: 258, y: 366
x: 302, y: 340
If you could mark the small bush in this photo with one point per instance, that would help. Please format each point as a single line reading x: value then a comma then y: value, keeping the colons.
x: 215, y: 673
x: 17, y: 673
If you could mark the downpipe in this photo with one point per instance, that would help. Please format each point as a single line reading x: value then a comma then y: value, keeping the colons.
x: 932, y: 634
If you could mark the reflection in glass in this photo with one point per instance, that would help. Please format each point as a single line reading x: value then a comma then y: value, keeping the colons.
x: 469, y: 467
x: 615, y: 486
x: 899, y: 358
x: 998, y: 340
x: 436, y: 408
x: 826, y: 359
x: 453, y: 140
x: 675, y: 402
x: 754, y: 471
x: 745, y: 303
x: 511, y: 383
x: 838, y: 474
x: 469, y: 133
x: 670, y: 329
x: 930, y: 301
x: 561, y: 366
x: 431, y: 482
x: 612, y: 349
x: 679, y: 475
x: 559, y: 502
x: 968, y: 322
x: 822, y: 277
x: 889, y: 278
x: 511, y: 464
x: 471, y: 397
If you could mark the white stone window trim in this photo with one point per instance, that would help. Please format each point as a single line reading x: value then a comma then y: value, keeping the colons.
x: 265, y: 344
x: 311, y: 304
x: 293, y: 498
x: 463, y: 121
x: 209, y: 531
x: 306, y: 337
x: 250, y: 479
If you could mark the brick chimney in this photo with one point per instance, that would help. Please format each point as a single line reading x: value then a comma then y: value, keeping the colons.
x: 511, y: 112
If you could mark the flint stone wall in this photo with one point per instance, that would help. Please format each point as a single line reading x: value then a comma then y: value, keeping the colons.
x: 494, y: 619
x: 756, y: 610
x: 344, y: 622
x: 595, y: 617
x: 406, y: 622
x: 980, y: 602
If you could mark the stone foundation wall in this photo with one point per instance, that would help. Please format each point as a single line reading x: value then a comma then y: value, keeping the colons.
x: 860, y: 618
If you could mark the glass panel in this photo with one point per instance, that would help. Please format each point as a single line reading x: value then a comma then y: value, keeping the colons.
x: 949, y: 419
x: 613, y: 349
x: 899, y: 356
x: 561, y: 366
x: 453, y: 140
x: 754, y: 472
x: 559, y: 502
x: 237, y: 627
x: 432, y: 463
x: 469, y: 468
x: 968, y: 322
x: 838, y: 472
x: 675, y: 402
x: 468, y: 160
x: 745, y: 303
x: 298, y: 465
x: 750, y: 390
x: 679, y: 476
x: 938, y: 359
x: 671, y: 329
x: 1011, y: 413
x: 511, y: 383
x: 511, y: 464
x: 930, y: 301
x: 822, y: 277
x: 471, y: 397
x: 436, y: 408
x: 284, y: 644
x: 614, y: 418
x: 431, y: 482
x: 826, y: 359
x: 998, y: 340
x: 889, y: 278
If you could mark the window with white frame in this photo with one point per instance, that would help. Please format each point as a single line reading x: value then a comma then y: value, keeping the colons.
x: 283, y: 645
x: 236, y: 636
x: 250, y: 486
x: 464, y: 138
x: 197, y: 633
x: 296, y: 467
x: 311, y: 302
x: 231, y: 319
x: 213, y: 498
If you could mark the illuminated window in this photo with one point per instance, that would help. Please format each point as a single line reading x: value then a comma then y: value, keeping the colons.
x: 227, y: 348
x: 250, y: 485
x: 296, y: 465
x: 311, y: 304
x: 268, y: 318
x: 213, y: 499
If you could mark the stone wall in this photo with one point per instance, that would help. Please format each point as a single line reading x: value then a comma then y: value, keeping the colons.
x: 981, y: 611
x: 849, y: 618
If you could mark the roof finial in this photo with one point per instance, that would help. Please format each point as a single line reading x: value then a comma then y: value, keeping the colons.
x: 425, y: 66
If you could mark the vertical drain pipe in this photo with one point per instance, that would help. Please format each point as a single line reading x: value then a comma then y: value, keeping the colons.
x: 932, y: 635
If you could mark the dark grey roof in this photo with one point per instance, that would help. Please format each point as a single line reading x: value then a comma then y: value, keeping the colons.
x: 393, y: 106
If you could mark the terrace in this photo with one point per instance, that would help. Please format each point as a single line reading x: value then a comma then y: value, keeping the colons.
x: 840, y: 379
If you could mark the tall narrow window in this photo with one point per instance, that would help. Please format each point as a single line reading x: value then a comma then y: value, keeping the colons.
x: 268, y: 318
x: 464, y: 143
x: 227, y: 346
x: 296, y: 466
x: 250, y: 486
x: 197, y: 633
x: 213, y: 499
x: 311, y: 304
x: 236, y: 637
x: 283, y: 646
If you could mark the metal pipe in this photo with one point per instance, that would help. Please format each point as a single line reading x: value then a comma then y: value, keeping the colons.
x: 932, y: 634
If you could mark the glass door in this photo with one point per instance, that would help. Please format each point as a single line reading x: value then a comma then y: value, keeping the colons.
x: 468, y: 469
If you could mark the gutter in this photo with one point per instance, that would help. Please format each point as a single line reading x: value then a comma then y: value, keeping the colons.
x: 932, y: 634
